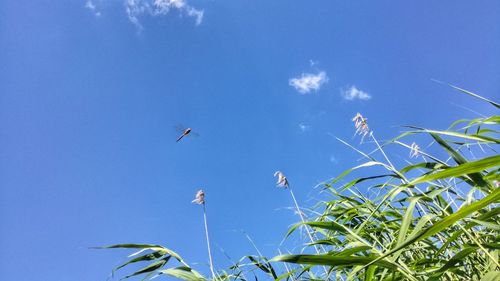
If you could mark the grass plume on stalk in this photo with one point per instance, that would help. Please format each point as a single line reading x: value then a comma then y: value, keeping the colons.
x: 283, y: 182
x: 200, y: 199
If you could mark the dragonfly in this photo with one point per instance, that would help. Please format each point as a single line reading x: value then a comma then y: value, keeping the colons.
x: 184, y: 132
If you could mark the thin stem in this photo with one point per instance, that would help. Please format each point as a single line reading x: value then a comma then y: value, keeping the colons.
x: 286, y: 267
x: 251, y: 242
x: 235, y: 265
x: 307, y: 229
x: 208, y: 242
x: 301, y: 217
x: 381, y: 150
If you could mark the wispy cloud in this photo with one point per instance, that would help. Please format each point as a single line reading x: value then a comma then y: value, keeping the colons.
x: 308, y: 82
x: 303, y: 127
x: 353, y: 93
x: 313, y: 62
x: 197, y: 14
x: 135, y: 9
x: 91, y: 6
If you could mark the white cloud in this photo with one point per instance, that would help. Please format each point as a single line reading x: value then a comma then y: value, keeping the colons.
x: 91, y: 6
x: 198, y: 14
x: 313, y: 62
x: 309, y: 82
x: 135, y: 9
x: 162, y: 7
x: 354, y: 93
x: 303, y: 127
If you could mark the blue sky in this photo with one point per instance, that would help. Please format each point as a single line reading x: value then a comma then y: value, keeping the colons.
x: 90, y: 93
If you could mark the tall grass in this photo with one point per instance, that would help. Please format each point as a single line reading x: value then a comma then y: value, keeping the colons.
x: 434, y: 218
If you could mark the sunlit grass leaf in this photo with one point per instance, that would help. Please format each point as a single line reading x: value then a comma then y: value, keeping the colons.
x: 146, y: 257
x: 129, y: 246
x: 150, y: 268
x: 470, y: 93
x: 407, y: 219
x: 151, y: 247
x: 459, y: 257
x: 331, y: 260
x: 474, y: 137
x: 353, y: 250
x: 441, y: 225
x: 264, y: 265
x: 460, y: 170
x: 184, y: 273
x: 492, y: 213
x: 491, y: 276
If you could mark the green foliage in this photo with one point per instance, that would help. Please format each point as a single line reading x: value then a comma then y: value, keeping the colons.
x: 437, y: 219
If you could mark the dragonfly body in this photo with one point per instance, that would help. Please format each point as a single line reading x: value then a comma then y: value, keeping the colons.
x: 184, y: 133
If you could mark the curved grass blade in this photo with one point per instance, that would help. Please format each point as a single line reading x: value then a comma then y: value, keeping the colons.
x: 491, y: 276
x: 184, y: 273
x: 474, y: 137
x: 146, y: 257
x: 129, y: 246
x: 407, y: 218
x: 453, y: 261
x: 150, y: 268
x: 485, y: 216
x: 264, y: 266
x: 460, y: 170
x: 463, y: 212
x: 330, y: 260
x: 469, y: 93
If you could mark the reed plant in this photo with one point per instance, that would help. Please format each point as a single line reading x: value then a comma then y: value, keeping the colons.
x: 430, y: 215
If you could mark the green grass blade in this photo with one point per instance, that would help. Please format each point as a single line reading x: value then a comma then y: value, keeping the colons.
x: 150, y: 268
x: 491, y: 276
x: 460, y: 170
x: 472, y: 94
x: 407, y: 218
x: 183, y: 273
x: 463, y: 212
x: 474, y: 137
x: 329, y: 260
x: 129, y: 246
x: 146, y: 257
x: 454, y: 260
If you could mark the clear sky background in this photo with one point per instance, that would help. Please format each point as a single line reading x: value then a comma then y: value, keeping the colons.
x: 90, y: 93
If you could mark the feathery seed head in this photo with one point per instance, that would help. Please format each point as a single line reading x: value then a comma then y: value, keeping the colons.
x: 361, y: 125
x: 200, y: 197
x: 415, y: 150
x: 282, y: 180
